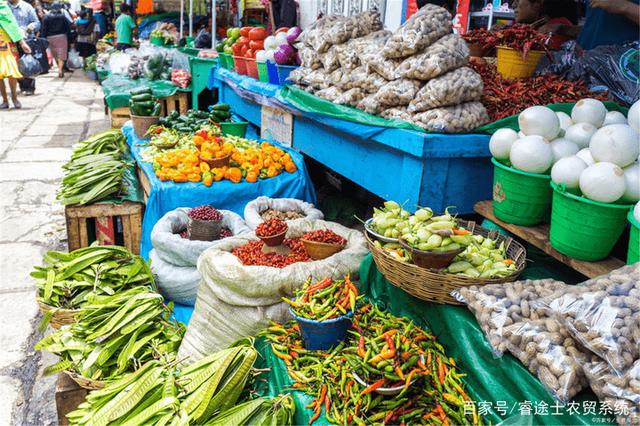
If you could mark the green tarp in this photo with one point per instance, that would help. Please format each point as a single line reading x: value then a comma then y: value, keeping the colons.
x: 116, y: 89
x: 512, y: 121
x: 489, y: 380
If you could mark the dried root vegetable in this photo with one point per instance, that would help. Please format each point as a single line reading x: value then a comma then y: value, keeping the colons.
x: 350, y: 97
x: 370, y: 105
x: 398, y: 92
x: 448, y: 53
x: 309, y: 58
x: 370, y: 56
x: 453, y: 88
x: 330, y: 93
x: 421, y: 29
x: 397, y: 113
x: 453, y: 119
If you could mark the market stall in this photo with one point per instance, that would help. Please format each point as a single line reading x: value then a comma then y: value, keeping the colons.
x: 166, y: 196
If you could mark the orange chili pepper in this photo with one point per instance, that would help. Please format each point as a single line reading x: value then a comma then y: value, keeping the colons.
x: 377, y: 384
x: 461, y: 232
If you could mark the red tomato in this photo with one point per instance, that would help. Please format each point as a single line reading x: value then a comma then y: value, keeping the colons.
x: 243, y: 50
x: 243, y: 40
x: 236, y: 48
x: 257, y: 33
x: 244, y: 31
x: 249, y: 54
x: 256, y: 45
x: 282, y: 30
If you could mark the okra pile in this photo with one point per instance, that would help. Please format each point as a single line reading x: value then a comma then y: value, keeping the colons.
x: 325, y: 299
x: 163, y: 392
x: 69, y: 278
x: 95, y: 170
x: 115, y: 335
x: 383, y: 351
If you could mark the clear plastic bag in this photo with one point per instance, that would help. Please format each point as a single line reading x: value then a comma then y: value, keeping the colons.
x: 74, y: 60
x: 497, y: 306
x: 298, y: 75
x: 370, y: 105
x: 315, y: 36
x: 455, y: 87
x: 549, y: 352
x: 353, y: 79
x: 372, y: 83
x: 350, y: 97
x: 180, y: 61
x: 317, y: 79
x: 453, y: 119
x: 330, y: 93
x: 309, y: 58
x: 397, y: 113
x: 423, y: 28
x: 347, y: 55
x: 29, y: 66
x: 398, y: 92
x: 365, y: 23
x: 371, y: 57
x: 621, y: 393
x: 330, y: 60
x: 448, y: 53
x: 603, y: 314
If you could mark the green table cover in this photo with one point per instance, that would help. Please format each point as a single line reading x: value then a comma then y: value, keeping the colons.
x: 116, y: 89
x: 488, y: 379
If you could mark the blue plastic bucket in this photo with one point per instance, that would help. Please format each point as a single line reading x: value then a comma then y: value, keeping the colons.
x: 272, y: 71
x: 323, y: 335
x: 283, y: 73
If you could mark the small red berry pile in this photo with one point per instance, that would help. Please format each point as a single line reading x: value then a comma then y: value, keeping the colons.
x: 325, y: 236
x: 205, y: 213
x: 271, y: 227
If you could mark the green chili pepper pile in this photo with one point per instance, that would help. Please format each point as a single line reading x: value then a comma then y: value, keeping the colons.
x: 95, y: 170
x: 482, y: 259
x: 115, y: 335
x: 325, y: 299
x: 103, y: 270
x: 385, y: 351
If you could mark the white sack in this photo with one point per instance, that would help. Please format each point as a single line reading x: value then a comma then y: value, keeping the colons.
x: 235, y: 300
x: 253, y: 209
x: 178, y: 251
x: 177, y: 283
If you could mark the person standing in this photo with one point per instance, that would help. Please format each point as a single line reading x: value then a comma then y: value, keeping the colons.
x: 9, y: 35
x: 610, y: 22
x: 87, y: 34
x: 29, y: 23
x: 125, y: 25
x: 56, y: 28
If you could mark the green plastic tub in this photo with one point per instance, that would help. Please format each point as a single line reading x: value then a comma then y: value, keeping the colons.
x: 234, y: 128
x: 633, y: 255
x: 263, y: 75
x: 585, y: 229
x: 519, y: 197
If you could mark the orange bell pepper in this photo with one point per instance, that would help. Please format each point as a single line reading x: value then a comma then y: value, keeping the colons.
x: 234, y: 174
x: 204, y: 167
x: 207, y: 178
x: 290, y: 167
x: 252, y: 177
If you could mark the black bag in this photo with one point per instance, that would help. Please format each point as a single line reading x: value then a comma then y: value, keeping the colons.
x: 29, y: 66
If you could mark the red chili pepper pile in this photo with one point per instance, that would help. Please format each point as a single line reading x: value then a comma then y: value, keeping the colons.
x: 271, y: 227
x: 503, y: 98
x: 520, y: 37
x: 324, y: 236
x: 251, y: 254
x: 482, y: 37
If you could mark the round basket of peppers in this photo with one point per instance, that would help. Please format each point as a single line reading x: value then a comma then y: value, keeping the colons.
x: 272, y: 232
x: 323, y: 243
x: 324, y: 310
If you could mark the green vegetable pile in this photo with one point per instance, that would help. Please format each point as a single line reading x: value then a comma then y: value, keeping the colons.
x: 142, y: 103
x: 158, y: 67
x: 220, y: 113
x: 190, y: 122
x: 390, y: 220
x: 482, y: 259
x: 96, y: 169
x: 205, y: 392
x: 115, y: 335
x: 427, y: 232
x: 70, y: 278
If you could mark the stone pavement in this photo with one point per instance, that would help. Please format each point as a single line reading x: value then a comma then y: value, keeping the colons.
x: 34, y: 143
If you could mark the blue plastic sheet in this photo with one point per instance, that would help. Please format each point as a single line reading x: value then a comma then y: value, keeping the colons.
x: 167, y: 196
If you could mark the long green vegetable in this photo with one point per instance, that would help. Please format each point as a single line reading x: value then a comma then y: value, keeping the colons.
x: 95, y: 170
x: 114, y: 335
x: 69, y: 278
x: 204, y: 392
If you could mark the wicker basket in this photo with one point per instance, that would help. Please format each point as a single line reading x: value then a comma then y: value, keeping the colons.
x: 83, y: 382
x: 318, y: 251
x: 216, y: 162
x: 60, y: 317
x: 436, y: 287
x: 142, y: 123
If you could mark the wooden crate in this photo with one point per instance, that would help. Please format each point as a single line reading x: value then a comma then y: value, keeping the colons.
x: 103, y: 217
x: 68, y: 396
x: 144, y: 183
x: 176, y: 102
x: 119, y: 116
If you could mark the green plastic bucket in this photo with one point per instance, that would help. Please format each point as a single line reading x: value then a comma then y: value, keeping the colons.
x: 519, y: 197
x: 263, y: 75
x: 633, y: 255
x: 234, y: 128
x: 585, y: 229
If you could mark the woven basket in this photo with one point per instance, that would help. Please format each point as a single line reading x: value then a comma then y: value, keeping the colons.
x: 83, y: 382
x: 203, y: 230
x: 142, y: 123
x: 430, y: 285
x: 60, y: 317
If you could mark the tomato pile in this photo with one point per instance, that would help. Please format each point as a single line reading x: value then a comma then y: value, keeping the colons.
x: 271, y: 227
x: 206, y: 214
x: 251, y: 254
x: 325, y: 236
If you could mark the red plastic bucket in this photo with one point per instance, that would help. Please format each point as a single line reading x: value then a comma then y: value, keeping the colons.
x: 252, y: 68
x: 240, y: 65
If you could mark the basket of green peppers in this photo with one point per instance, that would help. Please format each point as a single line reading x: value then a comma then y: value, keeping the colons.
x: 145, y: 110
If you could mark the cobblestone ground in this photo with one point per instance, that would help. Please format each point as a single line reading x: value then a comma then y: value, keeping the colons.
x: 34, y: 143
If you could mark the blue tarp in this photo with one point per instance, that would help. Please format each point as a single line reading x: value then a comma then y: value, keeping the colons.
x: 167, y: 196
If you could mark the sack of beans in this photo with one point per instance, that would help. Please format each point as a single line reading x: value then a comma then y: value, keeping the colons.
x: 453, y: 88
x: 242, y: 286
x: 453, y: 119
x: 330, y: 93
x: 448, y: 53
x: 287, y: 209
x: 398, y: 92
